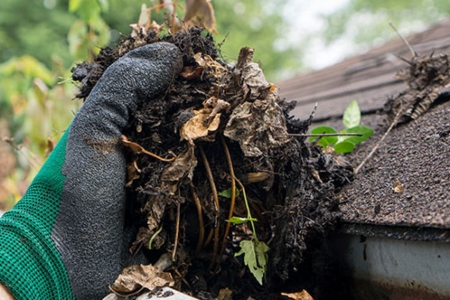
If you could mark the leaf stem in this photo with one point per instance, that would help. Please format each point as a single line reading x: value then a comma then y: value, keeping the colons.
x: 325, y: 134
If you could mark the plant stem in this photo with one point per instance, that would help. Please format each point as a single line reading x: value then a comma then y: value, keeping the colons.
x: 325, y: 134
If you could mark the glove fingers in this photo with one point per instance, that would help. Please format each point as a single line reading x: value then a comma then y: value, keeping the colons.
x: 88, y: 228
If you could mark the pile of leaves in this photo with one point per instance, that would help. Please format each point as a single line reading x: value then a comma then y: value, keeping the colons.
x: 218, y: 187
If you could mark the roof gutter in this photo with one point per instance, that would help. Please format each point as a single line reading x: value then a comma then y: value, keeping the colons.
x: 380, y: 267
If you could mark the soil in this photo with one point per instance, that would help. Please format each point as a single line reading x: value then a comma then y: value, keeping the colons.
x: 216, y: 120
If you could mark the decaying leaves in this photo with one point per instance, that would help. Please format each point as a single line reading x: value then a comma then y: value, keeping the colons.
x: 201, y: 126
x: 303, y: 295
x: 258, y: 126
x: 136, y: 278
x: 398, y: 187
x: 236, y: 119
x: 425, y: 76
x: 200, y: 13
x: 180, y: 170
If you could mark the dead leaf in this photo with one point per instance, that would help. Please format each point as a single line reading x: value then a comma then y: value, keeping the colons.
x: 181, y: 169
x: 257, y: 126
x: 135, y: 278
x: 200, y: 12
x: 225, y: 294
x: 398, y: 187
x: 217, y: 106
x: 211, y: 67
x: 132, y: 173
x: 303, y: 295
x: 200, y: 126
x: 144, y: 24
x: 254, y: 83
x: 190, y: 72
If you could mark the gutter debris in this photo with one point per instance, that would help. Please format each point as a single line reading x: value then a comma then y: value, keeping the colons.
x: 211, y: 165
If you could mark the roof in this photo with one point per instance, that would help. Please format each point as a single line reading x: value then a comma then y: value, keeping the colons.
x: 415, y: 155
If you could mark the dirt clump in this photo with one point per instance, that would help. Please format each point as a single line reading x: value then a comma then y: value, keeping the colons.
x: 213, y: 164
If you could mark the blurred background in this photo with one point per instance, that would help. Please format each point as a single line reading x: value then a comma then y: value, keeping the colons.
x: 41, y: 40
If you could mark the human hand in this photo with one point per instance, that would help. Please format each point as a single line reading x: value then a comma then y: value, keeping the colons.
x: 64, y: 238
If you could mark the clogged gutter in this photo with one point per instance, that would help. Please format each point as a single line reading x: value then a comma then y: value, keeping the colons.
x: 212, y: 167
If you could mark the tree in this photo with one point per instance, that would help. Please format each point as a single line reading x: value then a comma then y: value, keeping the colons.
x: 366, y: 23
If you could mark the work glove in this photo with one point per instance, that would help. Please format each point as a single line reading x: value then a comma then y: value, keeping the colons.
x: 63, y: 238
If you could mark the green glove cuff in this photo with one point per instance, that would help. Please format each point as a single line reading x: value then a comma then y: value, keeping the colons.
x: 30, y: 264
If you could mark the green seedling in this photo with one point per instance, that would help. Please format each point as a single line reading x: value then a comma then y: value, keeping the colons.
x: 343, y: 141
x: 254, y: 251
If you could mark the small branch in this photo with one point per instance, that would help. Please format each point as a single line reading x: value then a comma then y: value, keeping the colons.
x: 325, y: 134
x: 201, y: 234
x: 139, y: 149
x: 377, y: 145
x: 413, y: 53
x: 177, y: 232
x: 233, y: 196
x: 216, y: 201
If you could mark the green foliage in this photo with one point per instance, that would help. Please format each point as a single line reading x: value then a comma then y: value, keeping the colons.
x: 255, y: 251
x: 227, y: 193
x: 367, y: 22
x: 90, y: 32
x: 341, y: 143
x: 259, y: 25
x: 255, y: 257
x: 239, y: 220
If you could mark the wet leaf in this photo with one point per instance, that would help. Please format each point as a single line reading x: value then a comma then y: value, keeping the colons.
x: 211, y: 68
x: 352, y: 115
x: 190, y: 72
x: 258, y: 126
x: 227, y: 193
x: 303, y: 295
x: 200, y: 126
x: 254, y: 85
x: 133, y: 279
x: 325, y: 140
x: 182, y: 168
x: 255, y: 257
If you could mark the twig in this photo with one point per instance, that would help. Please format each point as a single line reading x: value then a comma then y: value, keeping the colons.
x: 201, y: 234
x: 182, y: 278
x: 177, y: 231
x: 413, y: 53
x: 216, y: 201
x: 233, y: 195
x: 377, y: 145
x: 29, y: 156
x: 139, y: 149
x: 325, y: 134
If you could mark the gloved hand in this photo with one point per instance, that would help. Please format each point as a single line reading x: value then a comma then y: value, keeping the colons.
x: 63, y: 238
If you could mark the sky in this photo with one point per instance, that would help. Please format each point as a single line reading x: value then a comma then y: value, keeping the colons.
x: 306, y: 20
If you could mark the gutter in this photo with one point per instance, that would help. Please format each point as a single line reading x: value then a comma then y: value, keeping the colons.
x: 393, y: 266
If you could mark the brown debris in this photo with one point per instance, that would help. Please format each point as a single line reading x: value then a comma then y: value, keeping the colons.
x: 135, y: 278
x: 425, y: 76
x: 218, y: 125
